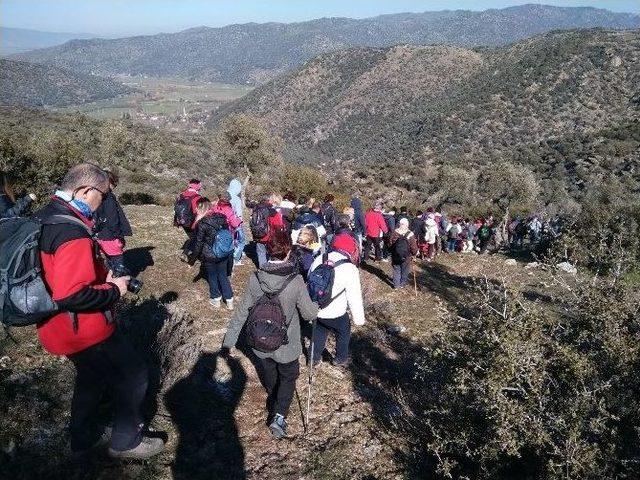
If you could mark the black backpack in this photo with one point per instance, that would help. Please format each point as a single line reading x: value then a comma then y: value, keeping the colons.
x: 24, y: 298
x: 401, y: 249
x: 266, y: 326
x: 320, y: 281
x: 259, y: 223
x: 183, y: 214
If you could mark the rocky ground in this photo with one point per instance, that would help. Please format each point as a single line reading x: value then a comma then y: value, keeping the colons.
x: 213, y: 410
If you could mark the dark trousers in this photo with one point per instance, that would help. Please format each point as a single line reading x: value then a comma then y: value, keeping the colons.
x: 187, y: 246
x: 218, y: 276
x: 401, y: 273
x: 376, y: 243
x: 280, y: 382
x: 114, y: 368
x: 341, y: 327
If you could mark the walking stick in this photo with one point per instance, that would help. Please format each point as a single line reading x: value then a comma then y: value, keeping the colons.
x: 313, y: 331
x: 415, y: 282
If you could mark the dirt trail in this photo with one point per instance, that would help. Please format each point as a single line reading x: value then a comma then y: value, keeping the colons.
x: 217, y: 428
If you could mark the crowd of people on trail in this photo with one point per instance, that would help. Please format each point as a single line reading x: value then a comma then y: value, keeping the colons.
x: 68, y: 270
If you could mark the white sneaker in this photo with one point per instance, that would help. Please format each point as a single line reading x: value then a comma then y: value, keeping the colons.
x: 215, y: 302
x: 230, y: 304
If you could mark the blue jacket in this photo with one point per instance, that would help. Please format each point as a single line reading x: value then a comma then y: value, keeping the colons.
x: 235, y: 189
x: 358, y: 216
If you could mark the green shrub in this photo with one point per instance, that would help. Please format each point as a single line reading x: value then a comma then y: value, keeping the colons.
x: 137, y: 198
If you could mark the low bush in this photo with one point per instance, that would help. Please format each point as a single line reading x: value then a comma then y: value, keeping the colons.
x: 137, y: 198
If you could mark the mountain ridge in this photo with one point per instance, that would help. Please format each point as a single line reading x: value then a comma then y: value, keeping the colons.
x: 257, y: 53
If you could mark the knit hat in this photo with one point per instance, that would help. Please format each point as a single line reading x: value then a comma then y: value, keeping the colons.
x: 404, y: 222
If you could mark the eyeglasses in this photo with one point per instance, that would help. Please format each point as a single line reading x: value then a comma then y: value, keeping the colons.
x: 103, y: 194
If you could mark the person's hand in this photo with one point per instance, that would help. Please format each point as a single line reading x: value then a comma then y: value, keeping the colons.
x: 33, y: 196
x: 120, y: 282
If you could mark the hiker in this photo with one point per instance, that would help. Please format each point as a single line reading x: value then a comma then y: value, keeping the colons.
x: 484, y: 237
x: 305, y: 250
x: 403, y: 246
x: 9, y: 205
x: 431, y: 236
x: 185, y: 213
x: 84, y: 330
x: 211, y: 229
x: 453, y: 231
x: 390, y: 220
x: 419, y: 229
x: 403, y: 213
x: 329, y: 216
x: 112, y: 226
x: 535, y: 228
x: 346, y: 293
x: 223, y: 206
x: 345, y: 241
x: 264, y: 220
x: 278, y: 278
x: 375, y: 228
x: 359, y: 228
x: 309, y: 214
x: 240, y: 238
x: 286, y: 209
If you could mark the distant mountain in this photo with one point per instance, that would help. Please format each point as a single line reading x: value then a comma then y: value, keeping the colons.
x: 255, y: 53
x: 553, y: 102
x: 28, y: 84
x: 18, y: 40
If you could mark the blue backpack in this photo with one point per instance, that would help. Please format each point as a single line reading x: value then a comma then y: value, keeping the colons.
x: 320, y: 281
x: 223, y: 244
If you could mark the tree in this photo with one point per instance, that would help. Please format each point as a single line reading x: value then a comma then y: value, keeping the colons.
x: 453, y: 185
x: 245, y: 146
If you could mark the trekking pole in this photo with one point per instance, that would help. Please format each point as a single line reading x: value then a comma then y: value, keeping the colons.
x: 415, y: 282
x: 313, y: 331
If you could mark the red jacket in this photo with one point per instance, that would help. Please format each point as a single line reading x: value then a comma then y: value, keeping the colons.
x: 75, y: 275
x: 374, y: 224
x: 276, y: 221
x: 227, y: 210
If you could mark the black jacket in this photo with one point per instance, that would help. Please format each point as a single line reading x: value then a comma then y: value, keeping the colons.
x: 111, y: 222
x: 206, y: 230
x: 330, y: 217
x: 308, y: 217
x: 13, y: 209
x: 358, y: 216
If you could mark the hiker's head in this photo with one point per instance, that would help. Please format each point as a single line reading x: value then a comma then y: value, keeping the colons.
x: 404, y: 223
x: 224, y: 198
x: 203, y: 206
x: 350, y: 211
x: 302, y: 200
x: 279, y: 244
x: 6, y: 186
x: 344, y: 221
x: 418, y: 213
x: 310, y: 202
x: 378, y: 206
x: 114, y: 177
x: 316, y: 207
x: 307, y: 235
x: 329, y: 198
x: 275, y: 199
x: 195, y: 184
x: 86, y: 183
x: 403, y: 210
x: 290, y: 196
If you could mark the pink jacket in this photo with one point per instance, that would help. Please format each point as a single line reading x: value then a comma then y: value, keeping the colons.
x: 227, y: 210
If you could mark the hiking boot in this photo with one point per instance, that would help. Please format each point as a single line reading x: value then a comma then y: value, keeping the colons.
x: 216, y: 302
x: 147, y: 448
x: 230, y: 304
x: 278, y: 427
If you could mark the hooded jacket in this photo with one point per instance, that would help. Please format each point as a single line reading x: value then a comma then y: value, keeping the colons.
x: 206, y: 230
x: 227, y: 210
x: 375, y: 224
x: 235, y: 189
x: 295, y: 303
x: 431, y: 233
x: 358, y: 216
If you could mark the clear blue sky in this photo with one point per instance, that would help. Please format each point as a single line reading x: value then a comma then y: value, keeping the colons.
x: 128, y: 17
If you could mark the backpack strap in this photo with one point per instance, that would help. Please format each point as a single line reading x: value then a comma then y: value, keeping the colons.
x: 68, y: 220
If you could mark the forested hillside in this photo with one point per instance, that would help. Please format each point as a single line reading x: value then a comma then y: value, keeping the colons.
x: 565, y: 104
x: 254, y: 53
x: 29, y: 84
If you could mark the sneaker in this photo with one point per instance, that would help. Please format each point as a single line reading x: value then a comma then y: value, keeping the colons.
x: 230, y: 304
x: 147, y: 448
x: 278, y: 427
x: 216, y: 302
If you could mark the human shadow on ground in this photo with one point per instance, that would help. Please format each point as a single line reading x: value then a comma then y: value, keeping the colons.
x: 202, y: 407
x: 369, y: 267
x: 138, y: 259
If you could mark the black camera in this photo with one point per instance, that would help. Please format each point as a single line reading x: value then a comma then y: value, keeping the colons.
x: 134, y: 285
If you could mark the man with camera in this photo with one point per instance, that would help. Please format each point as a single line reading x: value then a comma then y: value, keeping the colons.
x: 83, y: 330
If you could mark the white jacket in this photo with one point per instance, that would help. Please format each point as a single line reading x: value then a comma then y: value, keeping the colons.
x: 432, y: 231
x: 347, y: 278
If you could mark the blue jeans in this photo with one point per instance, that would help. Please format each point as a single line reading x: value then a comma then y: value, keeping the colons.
x: 451, y: 244
x: 219, y: 285
x: 401, y: 273
x: 241, y: 241
x: 341, y: 326
x: 261, y: 253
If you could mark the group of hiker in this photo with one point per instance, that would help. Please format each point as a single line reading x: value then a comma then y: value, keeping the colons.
x: 70, y: 270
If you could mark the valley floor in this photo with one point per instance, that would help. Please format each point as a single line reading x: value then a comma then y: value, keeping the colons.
x: 213, y: 411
